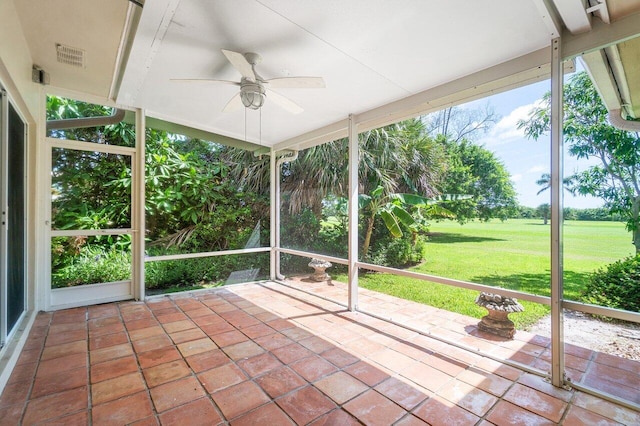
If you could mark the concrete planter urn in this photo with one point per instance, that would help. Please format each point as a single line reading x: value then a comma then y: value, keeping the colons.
x: 319, y: 266
x: 499, y: 307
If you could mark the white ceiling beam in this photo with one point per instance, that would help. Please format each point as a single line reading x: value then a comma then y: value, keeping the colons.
x: 145, y: 48
x: 601, y: 10
x: 574, y: 15
x: 168, y: 125
x: 499, y: 78
x: 332, y: 132
x: 601, y: 35
x: 550, y: 17
x: 509, y: 75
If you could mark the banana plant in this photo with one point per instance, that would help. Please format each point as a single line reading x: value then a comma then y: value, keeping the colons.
x: 392, y: 209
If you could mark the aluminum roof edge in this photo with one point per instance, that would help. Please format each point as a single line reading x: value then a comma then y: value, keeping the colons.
x: 602, y: 35
x: 181, y: 129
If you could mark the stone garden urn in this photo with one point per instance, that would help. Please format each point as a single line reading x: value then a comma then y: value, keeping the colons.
x: 319, y: 266
x: 499, y: 307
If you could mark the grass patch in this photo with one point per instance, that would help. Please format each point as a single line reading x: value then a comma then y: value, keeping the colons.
x: 514, y: 254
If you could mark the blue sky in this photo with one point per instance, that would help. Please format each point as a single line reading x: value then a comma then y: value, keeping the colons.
x: 526, y: 159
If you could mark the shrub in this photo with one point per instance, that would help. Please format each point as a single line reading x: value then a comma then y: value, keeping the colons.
x: 616, y: 286
x: 401, y: 252
x: 94, y: 265
x: 397, y: 252
x: 189, y: 272
x: 182, y: 272
x: 300, y: 231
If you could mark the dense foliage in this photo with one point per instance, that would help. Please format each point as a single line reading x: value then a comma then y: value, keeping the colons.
x: 588, y: 134
x: 204, y: 197
x: 570, y: 213
x: 475, y: 171
x: 192, y: 205
x: 616, y: 286
x: 407, y: 175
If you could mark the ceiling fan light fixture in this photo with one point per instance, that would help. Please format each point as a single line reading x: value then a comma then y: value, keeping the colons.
x: 252, y: 95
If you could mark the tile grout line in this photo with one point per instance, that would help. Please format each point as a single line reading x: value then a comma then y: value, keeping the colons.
x: 499, y: 398
x: 339, y: 369
x: 33, y: 379
x: 308, y: 383
x: 140, y: 369
x: 193, y: 373
x: 231, y: 298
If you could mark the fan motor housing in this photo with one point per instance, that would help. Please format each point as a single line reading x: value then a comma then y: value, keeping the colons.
x: 252, y: 94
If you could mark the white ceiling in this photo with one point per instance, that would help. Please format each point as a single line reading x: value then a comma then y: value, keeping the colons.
x: 94, y: 27
x: 382, y: 60
x: 369, y: 52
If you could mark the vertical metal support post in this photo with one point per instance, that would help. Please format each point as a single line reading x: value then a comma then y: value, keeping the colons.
x: 557, y: 326
x: 138, y: 207
x: 354, y: 159
x: 274, y: 207
x: 43, y: 214
x: 278, y: 206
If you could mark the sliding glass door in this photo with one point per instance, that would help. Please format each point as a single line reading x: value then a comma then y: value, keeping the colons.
x: 13, y: 217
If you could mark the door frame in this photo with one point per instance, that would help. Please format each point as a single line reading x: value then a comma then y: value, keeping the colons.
x: 88, y: 294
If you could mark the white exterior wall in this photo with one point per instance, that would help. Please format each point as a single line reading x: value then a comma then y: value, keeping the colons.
x: 27, y: 98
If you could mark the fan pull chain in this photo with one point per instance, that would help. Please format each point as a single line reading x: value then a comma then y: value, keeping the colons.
x: 260, y: 127
x: 245, y: 124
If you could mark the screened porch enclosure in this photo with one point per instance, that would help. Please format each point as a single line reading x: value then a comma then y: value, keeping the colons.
x: 295, y: 242
x: 249, y: 89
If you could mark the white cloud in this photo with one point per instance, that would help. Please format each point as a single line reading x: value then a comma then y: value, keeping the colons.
x: 516, y: 178
x: 506, y: 130
x: 538, y: 169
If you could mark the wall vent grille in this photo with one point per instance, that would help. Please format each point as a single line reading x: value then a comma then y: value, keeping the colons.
x: 70, y: 55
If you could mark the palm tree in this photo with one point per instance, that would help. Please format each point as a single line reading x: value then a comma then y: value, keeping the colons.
x: 544, y: 210
x: 545, y: 182
x: 399, y: 158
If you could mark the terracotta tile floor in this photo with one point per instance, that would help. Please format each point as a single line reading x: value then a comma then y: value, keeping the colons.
x: 267, y: 354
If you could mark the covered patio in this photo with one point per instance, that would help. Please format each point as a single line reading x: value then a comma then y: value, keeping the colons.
x: 266, y: 353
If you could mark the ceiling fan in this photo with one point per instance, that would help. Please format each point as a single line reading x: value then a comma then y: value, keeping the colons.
x: 254, y: 89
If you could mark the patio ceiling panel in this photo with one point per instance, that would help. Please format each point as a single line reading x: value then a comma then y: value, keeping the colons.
x: 376, y: 56
x: 370, y: 53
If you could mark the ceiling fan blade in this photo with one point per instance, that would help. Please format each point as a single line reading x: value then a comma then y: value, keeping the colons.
x: 234, y: 104
x: 204, y: 80
x: 240, y: 63
x: 284, y: 103
x: 297, y: 82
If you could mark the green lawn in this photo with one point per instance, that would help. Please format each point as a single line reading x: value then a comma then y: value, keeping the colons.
x: 512, y: 254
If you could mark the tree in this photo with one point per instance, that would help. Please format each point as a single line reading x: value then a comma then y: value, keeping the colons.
x: 476, y: 172
x: 400, y: 157
x: 91, y: 190
x: 471, y: 169
x: 543, y: 210
x: 616, y: 180
x: 395, y: 161
x: 456, y: 123
x: 545, y: 183
x: 188, y: 189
